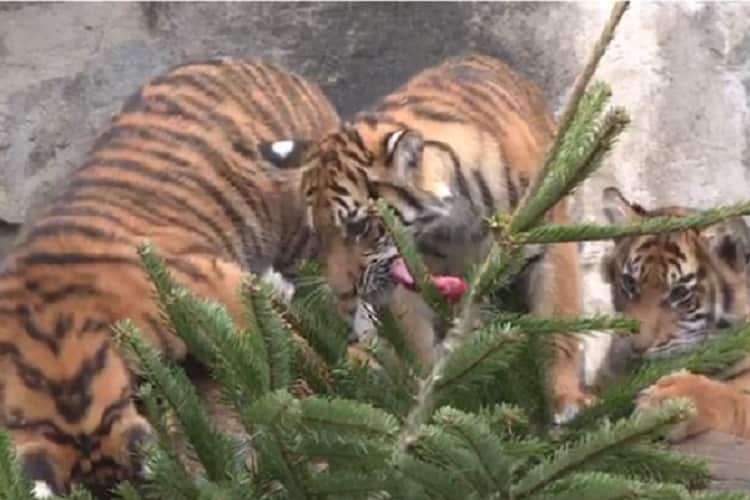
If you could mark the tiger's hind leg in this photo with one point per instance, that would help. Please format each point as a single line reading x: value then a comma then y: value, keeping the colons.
x: 718, y: 406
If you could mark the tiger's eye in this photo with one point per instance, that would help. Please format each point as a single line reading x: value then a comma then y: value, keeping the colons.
x: 356, y: 227
x: 678, y: 293
x: 628, y: 284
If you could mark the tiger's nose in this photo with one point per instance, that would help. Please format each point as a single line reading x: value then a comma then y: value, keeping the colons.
x: 352, y: 338
x: 638, y: 350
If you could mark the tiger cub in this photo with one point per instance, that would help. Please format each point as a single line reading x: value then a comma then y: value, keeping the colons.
x: 182, y: 165
x: 457, y: 143
x: 683, y: 287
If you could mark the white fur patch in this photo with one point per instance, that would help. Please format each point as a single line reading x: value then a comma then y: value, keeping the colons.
x: 390, y: 145
x: 282, y: 148
x: 443, y: 190
x: 41, y: 490
x: 283, y: 288
x: 364, y: 323
x: 145, y: 472
x: 566, y: 414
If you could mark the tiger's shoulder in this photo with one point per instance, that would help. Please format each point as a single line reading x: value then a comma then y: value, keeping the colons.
x: 253, y: 100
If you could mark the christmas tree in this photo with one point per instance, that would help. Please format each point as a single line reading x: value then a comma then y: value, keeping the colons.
x: 475, y: 425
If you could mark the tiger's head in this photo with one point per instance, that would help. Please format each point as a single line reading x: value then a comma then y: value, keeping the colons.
x: 681, y: 286
x: 343, y: 177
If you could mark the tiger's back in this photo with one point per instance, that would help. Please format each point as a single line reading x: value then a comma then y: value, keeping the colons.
x: 457, y: 143
x: 183, y: 166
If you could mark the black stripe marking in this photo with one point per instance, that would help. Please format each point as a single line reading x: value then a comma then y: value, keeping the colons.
x: 187, y: 80
x: 484, y: 189
x: 71, y: 210
x: 278, y: 102
x: 463, y: 185
x: 727, y: 296
x: 303, y: 109
x: 133, y: 207
x: 35, y: 332
x: 513, y: 196
x: 74, y: 258
x: 55, y: 229
x: 150, y: 197
x: 240, y: 180
x: 249, y: 106
x: 436, y: 115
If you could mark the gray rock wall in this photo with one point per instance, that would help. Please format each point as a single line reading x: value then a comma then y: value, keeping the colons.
x: 682, y: 70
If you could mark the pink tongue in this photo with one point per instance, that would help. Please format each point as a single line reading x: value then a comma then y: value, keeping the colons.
x: 401, y: 275
x: 450, y: 287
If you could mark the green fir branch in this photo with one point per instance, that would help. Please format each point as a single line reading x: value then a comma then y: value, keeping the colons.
x: 554, y: 233
x: 213, y: 448
x: 408, y: 250
x: 651, y: 463
x: 390, y: 330
x: 126, y: 491
x: 12, y: 483
x: 579, y: 88
x: 238, y: 360
x: 712, y: 357
x: 539, y: 325
x: 388, y: 385
x: 263, y: 319
x: 176, y: 303
x: 579, y: 155
x: 476, y: 360
x: 602, y: 486
x: 314, y: 315
x: 599, y: 442
x: 271, y: 416
x: 437, y: 482
x: 494, y: 468
x: 168, y: 478
x: 348, y: 485
x: 79, y: 493
x: 506, y: 420
x: 502, y: 263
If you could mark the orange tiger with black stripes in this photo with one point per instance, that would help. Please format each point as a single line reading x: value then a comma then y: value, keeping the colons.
x: 683, y: 287
x: 452, y: 146
x: 183, y: 166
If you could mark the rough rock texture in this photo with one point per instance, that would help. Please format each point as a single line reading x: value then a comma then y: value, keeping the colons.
x: 682, y: 70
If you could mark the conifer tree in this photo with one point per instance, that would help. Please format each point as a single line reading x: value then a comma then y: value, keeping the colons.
x: 475, y: 425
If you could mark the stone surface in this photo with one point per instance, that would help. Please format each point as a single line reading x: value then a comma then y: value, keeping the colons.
x: 728, y: 458
x: 681, y: 69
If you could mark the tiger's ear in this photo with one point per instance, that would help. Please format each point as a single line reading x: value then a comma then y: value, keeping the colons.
x: 287, y: 153
x: 403, y: 150
x: 730, y: 242
x: 617, y: 209
x: 607, y: 268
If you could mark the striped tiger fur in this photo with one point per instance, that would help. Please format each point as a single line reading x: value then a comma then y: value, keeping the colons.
x: 683, y: 287
x: 455, y: 144
x: 184, y: 166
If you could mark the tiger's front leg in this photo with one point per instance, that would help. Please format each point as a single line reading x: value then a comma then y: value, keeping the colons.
x: 556, y: 290
x: 718, y: 405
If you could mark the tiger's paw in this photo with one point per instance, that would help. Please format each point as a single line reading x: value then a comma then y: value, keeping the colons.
x: 713, y: 402
x: 568, y: 403
x: 42, y: 490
